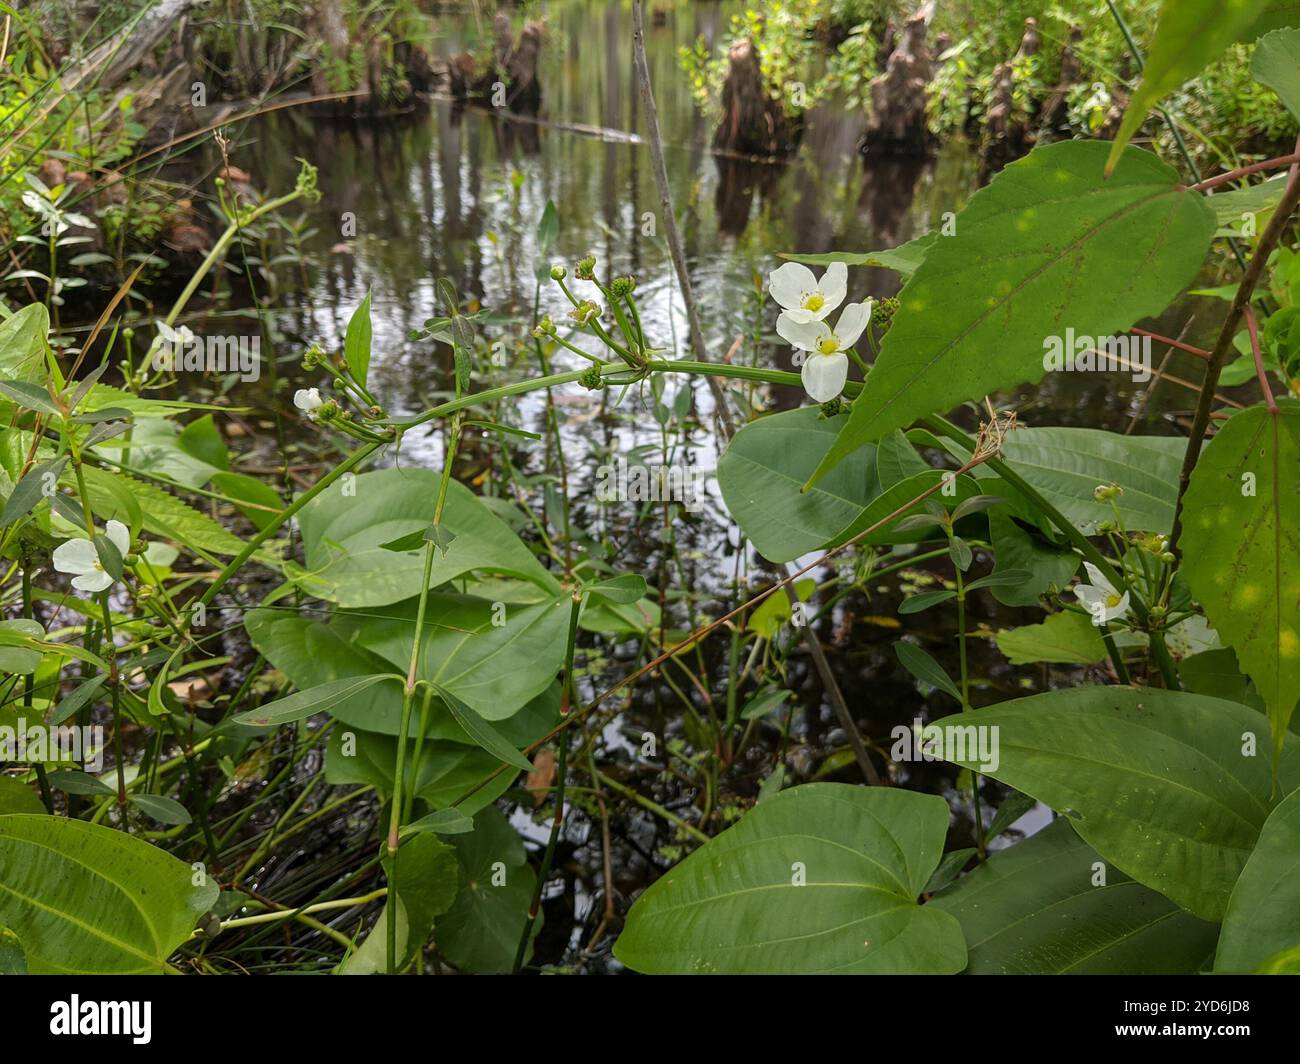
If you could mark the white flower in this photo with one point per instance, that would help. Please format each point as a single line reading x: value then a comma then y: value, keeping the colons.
x: 308, y: 400
x: 827, y: 366
x: 1100, y: 598
x: 802, y: 297
x: 168, y: 345
x: 79, y: 556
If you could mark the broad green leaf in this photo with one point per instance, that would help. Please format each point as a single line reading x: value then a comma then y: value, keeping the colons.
x: 1263, y: 917
x: 427, y: 880
x: 447, y: 772
x: 1168, y: 786
x: 311, y: 652
x: 896, y: 460
x: 302, y: 704
x: 1063, y: 638
x: 1066, y: 465
x: 1190, y: 35
x: 1229, y: 206
x: 356, y: 344
x: 1215, y: 673
x: 344, y: 528
x: 1038, y: 909
x: 18, y: 797
x: 480, y: 932
x: 12, y: 959
x: 822, y: 878
x: 23, y: 344
x: 616, y: 619
x: 1241, y: 549
x: 1020, y: 549
x: 763, y: 469
x: 85, y: 899
x: 495, y: 660
x: 903, y: 259
x: 1034, y: 253
x: 1276, y: 63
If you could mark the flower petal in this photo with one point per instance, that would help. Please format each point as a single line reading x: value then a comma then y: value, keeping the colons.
x: 119, y: 536
x: 1098, y: 581
x: 852, y: 322
x: 834, y: 285
x: 824, y: 376
x: 93, y: 581
x: 802, y: 334
x: 789, y: 283
x: 75, y: 556
x: 307, y: 399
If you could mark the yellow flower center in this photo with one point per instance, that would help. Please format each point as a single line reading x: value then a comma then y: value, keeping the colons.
x: 814, y: 302
x: 1112, y: 601
x: 828, y: 345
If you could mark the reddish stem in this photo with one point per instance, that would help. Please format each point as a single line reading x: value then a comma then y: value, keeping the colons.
x: 1240, y: 172
x: 1259, y: 359
x: 1200, y: 353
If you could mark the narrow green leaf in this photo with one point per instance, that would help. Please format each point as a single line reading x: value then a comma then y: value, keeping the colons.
x: 925, y: 668
x: 483, y: 733
x: 357, y: 340
x: 303, y: 704
x: 1190, y: 35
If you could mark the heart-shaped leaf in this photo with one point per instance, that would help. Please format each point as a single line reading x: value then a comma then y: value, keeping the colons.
x: 817, y: 879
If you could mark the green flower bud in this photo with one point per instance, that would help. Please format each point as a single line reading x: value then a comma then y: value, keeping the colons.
x: 586, y: 268
x: 622, y: 287
x: 558, y: 272
x: 1157, y: 613
x: 584, y: 312
x: 1168, y: 557
x: 591, y: 378
x: 883, y: 310
x: 545, y: 327
x: 1106, y: 492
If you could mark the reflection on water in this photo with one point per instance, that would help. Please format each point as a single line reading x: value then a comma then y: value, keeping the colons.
x: 457, y: 192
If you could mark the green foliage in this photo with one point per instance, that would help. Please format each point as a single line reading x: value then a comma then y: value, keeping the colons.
x: 1051, y: 906
x: 1242, y: 557
x: 1031, y: 255
x: 1173, y: 794
x: 85, y: 898
x: 822, y: 878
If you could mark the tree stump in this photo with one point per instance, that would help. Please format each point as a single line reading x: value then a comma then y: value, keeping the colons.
x: 898, y: 125
x: 753, y: 123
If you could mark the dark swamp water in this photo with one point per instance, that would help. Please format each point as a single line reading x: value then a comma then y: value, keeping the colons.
x: 456, y: 192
